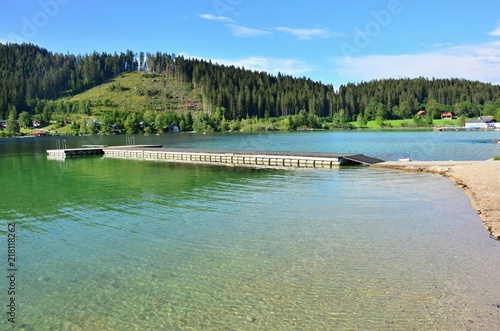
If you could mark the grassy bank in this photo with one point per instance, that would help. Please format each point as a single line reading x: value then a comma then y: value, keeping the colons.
x: 404, y: 124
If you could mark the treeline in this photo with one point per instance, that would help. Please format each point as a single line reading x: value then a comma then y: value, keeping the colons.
x: 29, y: 73
x: 31, y: 77
x: 243, y: 93
x: 403, y: 98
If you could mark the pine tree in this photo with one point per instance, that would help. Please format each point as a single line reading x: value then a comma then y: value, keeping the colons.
x: 12, y: 126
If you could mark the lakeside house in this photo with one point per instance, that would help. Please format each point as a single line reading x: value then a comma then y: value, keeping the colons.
x: 482, y: 123
x: 446, y: 116
x: 38, y: 133
x: 422, y: 113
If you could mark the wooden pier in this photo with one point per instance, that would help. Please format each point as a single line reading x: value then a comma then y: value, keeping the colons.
x: 270, y: 159
x: 240, y: 158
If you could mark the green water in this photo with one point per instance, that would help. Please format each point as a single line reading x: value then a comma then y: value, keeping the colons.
x: 107, y: 244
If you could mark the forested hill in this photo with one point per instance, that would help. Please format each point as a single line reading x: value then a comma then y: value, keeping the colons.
x: 31, y: 75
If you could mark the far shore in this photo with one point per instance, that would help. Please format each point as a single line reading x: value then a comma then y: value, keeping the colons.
x: 480, y: 180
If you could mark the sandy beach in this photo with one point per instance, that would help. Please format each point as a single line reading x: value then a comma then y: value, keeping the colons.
x: 480, y: 180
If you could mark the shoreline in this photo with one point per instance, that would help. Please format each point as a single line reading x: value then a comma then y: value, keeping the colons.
x: 480, y: 180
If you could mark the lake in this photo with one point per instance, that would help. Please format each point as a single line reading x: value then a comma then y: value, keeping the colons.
x: 110, y: 244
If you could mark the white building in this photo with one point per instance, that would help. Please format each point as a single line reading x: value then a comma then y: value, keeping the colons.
x: 483, y: 123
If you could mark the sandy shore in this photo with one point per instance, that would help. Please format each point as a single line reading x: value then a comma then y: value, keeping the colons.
x: 480, y: 180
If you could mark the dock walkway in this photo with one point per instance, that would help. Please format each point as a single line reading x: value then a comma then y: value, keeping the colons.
x: 220, y: 157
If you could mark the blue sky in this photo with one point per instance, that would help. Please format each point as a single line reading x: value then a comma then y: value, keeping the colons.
x: 335, y: 42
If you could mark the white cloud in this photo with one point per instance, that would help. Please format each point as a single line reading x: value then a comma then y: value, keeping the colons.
x: 473, y: 62
x: 495, y: 32
x: 440, y: 45
x: 243, y: 31
x: 236, y: 30
x: 211, y: 17
x: 304, y: 34
x: 270, y: 65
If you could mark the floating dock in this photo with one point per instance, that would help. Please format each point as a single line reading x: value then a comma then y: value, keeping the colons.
x: 86, y: 150
x: 240, y: 158
x: 221, y: 157
x: 74, y: 152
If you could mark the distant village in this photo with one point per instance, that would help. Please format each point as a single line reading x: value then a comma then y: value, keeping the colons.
x: 38, y: 130
x: 482, y: 123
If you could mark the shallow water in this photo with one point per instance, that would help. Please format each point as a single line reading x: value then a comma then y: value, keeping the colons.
x: 108, y: 244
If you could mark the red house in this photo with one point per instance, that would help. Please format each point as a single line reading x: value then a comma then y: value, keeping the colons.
x: 38, y: 133
x: 446, y: 116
